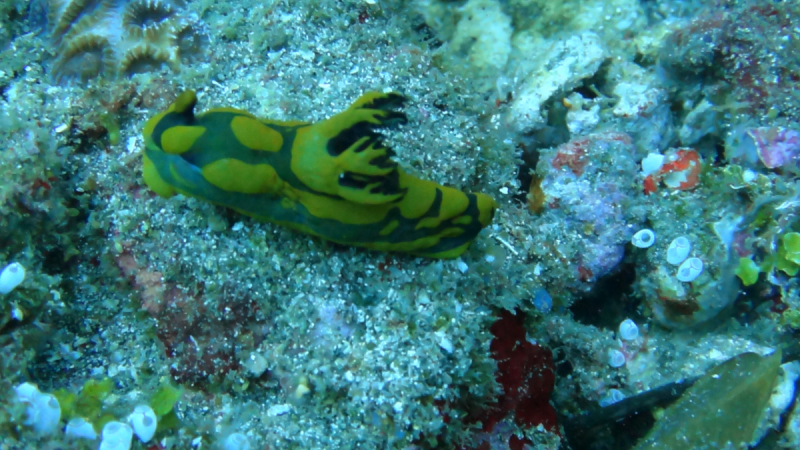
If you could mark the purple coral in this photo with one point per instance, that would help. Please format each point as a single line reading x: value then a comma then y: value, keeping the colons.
x: 774, y: 146
x: 586, y: 187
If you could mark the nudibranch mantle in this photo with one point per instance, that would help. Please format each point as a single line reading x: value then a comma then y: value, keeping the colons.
x: 334, y: 179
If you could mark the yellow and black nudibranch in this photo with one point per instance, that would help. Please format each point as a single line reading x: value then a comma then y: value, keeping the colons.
x: 334, y: 179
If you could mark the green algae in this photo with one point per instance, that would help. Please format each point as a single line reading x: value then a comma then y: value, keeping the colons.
x: 747, y: 271
x: 164, y: 399
x: 88, y: 403
x: 723, y: 408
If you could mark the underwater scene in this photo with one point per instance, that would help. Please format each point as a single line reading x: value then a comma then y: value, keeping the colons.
x: 387, y: 224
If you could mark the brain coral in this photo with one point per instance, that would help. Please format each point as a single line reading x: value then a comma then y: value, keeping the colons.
x: 96, y: 38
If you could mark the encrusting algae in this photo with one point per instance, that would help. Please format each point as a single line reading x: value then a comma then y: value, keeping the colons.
x: 333, y: 179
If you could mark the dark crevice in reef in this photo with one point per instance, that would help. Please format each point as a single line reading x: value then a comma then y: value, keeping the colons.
x: 611, y: 301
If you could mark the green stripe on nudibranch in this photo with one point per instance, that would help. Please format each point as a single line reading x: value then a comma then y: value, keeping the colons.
x: 334, y: 179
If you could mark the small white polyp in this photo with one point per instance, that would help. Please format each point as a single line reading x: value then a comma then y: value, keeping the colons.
x: 628, y: 330
x: 236, y: 441
x: 144, y: 422
x: 690, y: 270
x: 616, y: 358
x: 678, y: 250
x: 643, y: 238
x: 11, y: 276
x: 116, y: 436
x: 613, y: 396
x: 80, y: 428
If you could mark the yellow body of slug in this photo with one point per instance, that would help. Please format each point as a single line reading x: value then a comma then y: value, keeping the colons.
x: 333, y: 179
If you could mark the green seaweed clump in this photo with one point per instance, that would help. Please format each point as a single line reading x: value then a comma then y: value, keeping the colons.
x: 789, y: 254
x: 88, y: 404
x: 163, y: 402
x: 747, y: 271
x: 110, y: 122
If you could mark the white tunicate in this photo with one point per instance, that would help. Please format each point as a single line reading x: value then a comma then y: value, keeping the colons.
x: 42, y: 411
x: 643, y: 238
x: 48, y: 414
x: 11, y: 276
x: 27, y: 391
x: 144, y: 422
x: 678, y: 250
x: 628, y: 330
x: 615, y: 358
x: 690, y: 270
x: 613, y: 396
x: 80, y: 428
x: 116, y: 436
x: 236, y: 441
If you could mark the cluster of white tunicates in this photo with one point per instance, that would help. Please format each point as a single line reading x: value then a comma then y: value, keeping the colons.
x: 43, y: 414
x: 10, y: 277
x: 677, y: 254
x: 119, y: 435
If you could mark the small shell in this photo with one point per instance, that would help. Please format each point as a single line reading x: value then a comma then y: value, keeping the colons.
x: 643, y: 238
x: 613, y: 396
x: 678, y: 250
x: 628, y: 330
x: 615, y: 358
x: 690, y: 270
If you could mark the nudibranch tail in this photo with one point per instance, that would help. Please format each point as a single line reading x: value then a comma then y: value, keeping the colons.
x: 335, y: 179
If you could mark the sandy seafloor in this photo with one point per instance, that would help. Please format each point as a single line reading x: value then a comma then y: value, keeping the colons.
x: 298, y: 343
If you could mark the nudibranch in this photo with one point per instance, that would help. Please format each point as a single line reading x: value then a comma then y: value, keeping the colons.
x: 334, y: 179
